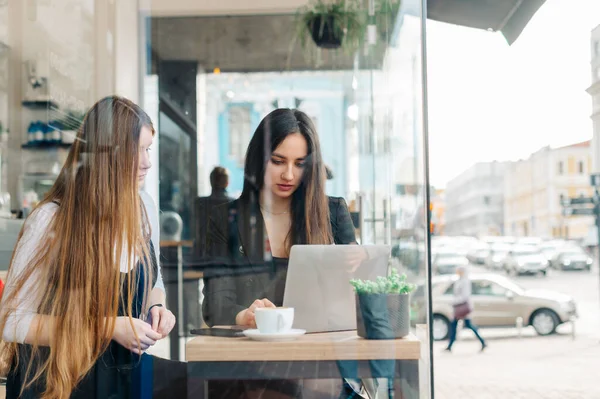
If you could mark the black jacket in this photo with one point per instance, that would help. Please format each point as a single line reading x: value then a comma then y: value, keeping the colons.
x: 203, y: 208
x: 238, y: 273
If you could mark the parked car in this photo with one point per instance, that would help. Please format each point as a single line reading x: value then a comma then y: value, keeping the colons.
x: 552, y: 247
x: 497, y: 302
x: 497, y: 256
x: 479, y: 253
x: 526, y: 260
x: 572, y: 259
x: 446, y: 261
x: 548, y: 251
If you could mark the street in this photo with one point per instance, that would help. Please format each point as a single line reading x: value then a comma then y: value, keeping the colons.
x: 530, y: 366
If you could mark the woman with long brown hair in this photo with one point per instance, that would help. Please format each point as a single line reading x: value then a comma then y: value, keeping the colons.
x: 84, y: 296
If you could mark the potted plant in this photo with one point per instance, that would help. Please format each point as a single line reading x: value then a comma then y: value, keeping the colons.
x: 382, y: 306
x: 332, y: 24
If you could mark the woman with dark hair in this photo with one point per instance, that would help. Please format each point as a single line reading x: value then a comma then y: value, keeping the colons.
x: 283, y: 203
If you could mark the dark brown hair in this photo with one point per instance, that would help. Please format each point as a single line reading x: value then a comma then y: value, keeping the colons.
x: 219, y: 178
x: 310, y: 206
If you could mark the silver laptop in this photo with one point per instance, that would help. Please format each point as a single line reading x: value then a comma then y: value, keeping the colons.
x: 318, y: 283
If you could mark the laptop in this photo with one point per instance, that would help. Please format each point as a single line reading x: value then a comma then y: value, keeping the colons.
x: 318, y: 283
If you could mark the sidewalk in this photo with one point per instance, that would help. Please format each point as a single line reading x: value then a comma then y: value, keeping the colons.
x: 528, y: 368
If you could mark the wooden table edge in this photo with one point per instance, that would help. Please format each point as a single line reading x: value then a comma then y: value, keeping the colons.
x: 313, y: 347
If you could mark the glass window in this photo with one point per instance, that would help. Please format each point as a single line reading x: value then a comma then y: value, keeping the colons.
x: 243, y: 155
x: 560, y: 168
x: 487, y: 288
x: 239, y: 132
x: 580, y: 167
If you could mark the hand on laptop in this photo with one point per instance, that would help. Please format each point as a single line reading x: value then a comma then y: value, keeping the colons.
x: 246, y: 317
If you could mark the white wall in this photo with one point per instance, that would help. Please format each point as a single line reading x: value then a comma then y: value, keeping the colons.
x: 150, y: 105
x: 128, y: 49
x: 86, y: 50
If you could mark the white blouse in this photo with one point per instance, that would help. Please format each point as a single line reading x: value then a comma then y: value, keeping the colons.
x: 19, y: 320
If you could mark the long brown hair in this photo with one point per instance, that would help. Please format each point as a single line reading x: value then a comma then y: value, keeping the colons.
x: 310, y: 206
x: 76, y: 269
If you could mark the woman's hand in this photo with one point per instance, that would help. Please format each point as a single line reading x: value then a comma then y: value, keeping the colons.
x: 246, y: 317
x: 163, y: 320
x: 125, y: 336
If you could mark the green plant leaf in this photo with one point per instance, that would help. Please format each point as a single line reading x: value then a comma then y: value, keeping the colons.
x: 395, y: 283
x: 349, y: 18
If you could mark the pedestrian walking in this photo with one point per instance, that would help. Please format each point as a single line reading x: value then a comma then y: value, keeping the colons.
x: 463, y: 307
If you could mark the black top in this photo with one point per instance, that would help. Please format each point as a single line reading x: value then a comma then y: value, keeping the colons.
x: 238, y: 269
x: 203, y: 208
x: 280, y: 266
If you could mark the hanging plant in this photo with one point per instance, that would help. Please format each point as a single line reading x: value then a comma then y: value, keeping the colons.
x: 333, y: 24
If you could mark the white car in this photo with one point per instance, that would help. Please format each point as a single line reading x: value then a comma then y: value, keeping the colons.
x: 497, y: 256
x: 526, y: 260
x: 572, y: 259
x: 446, y: 262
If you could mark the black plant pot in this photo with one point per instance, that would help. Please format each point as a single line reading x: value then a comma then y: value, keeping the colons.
x: 326, y: 37
x: 383, y: 316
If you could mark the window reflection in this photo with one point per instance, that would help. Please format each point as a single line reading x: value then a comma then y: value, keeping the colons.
x: 239, y: 132
x: 206, y: 81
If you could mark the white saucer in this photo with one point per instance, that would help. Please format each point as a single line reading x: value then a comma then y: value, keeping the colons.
x: 290, y: 335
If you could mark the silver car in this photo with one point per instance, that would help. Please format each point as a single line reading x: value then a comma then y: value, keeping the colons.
x: 572, y: 259
x: 497, y: 256
x: 497, y: 302
x: 526, y: 260
x: 446, y: 261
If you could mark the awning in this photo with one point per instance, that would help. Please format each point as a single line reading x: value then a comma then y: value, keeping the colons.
x: 507, y: 16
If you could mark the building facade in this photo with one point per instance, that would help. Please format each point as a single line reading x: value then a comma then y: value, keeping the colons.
x: 594, y: 92
x: 474, y: 201
x: 535, y: 187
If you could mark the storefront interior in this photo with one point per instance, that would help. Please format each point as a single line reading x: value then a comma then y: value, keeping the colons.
x: 207, y: 72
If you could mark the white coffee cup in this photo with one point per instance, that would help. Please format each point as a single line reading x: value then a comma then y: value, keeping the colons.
x: 274, y: 320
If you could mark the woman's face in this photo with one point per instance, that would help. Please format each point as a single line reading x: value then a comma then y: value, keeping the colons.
x: 144, y: 165
x: 285, y: 168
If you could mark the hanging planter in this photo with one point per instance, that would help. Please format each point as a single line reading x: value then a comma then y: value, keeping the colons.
x: 341, y: 24
x: 331, y: 24
x: 324, y: 33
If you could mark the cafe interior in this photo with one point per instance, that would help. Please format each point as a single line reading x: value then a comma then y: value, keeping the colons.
x: 207, y: 72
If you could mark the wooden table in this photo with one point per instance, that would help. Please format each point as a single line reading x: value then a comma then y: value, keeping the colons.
x: 335, y: 356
